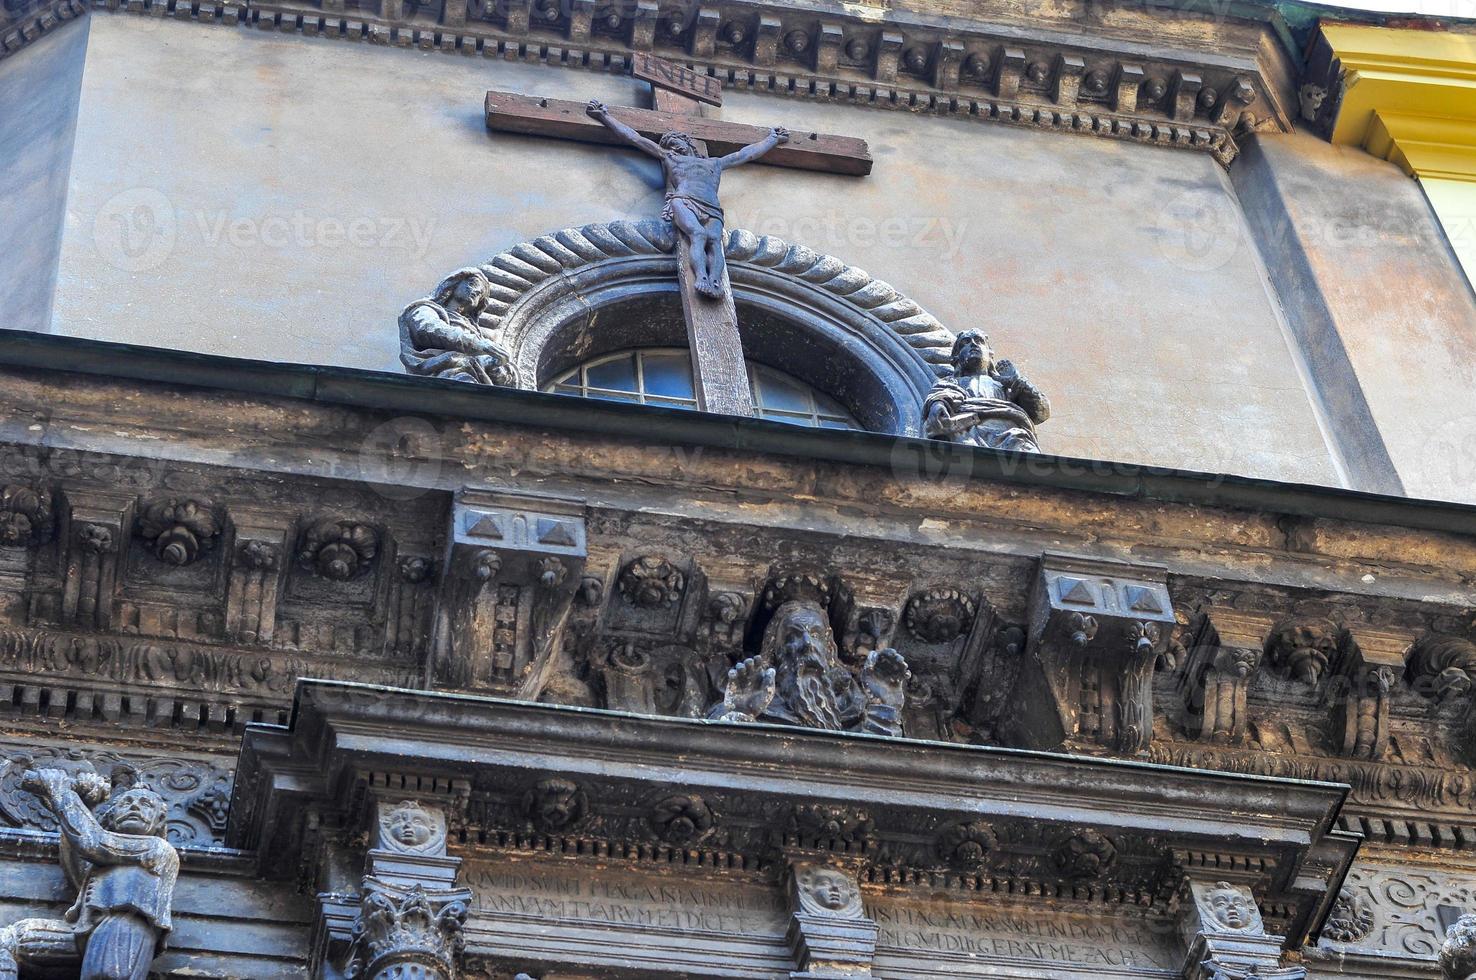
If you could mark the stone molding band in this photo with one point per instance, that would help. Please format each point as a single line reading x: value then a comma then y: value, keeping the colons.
x: 1103, y: 93
x: 19, y: 28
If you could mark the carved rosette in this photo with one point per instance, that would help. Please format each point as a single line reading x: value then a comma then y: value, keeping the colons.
x: 339, y: 550
x: 683, y: 819
x: 968, y: 845
x: 1443, y: 668
x: 939, y: 615
x: 651, y: 582
x: 257, y: 555
x: 407, y: 934
x: 178, y: 532
x: 1458, y: 953
x: 414, y: 569
x: 1085, y: 854
x: 555, y: 806
x: 25, y: 517
x: 832, y: 824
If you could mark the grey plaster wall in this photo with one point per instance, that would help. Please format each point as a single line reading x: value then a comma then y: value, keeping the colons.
x: 40, y: 87
x: 298, y: 192
x: 1381, y: 311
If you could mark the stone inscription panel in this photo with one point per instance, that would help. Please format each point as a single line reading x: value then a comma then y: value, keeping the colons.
x: 571, y: 893
x: 1023, y: 942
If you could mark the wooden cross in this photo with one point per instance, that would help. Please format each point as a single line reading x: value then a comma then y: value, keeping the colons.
x: 719, y: 374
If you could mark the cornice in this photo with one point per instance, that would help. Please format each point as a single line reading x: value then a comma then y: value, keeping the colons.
x: 1405, y: 96
x: 21, y: 26
x: 1198, y: 82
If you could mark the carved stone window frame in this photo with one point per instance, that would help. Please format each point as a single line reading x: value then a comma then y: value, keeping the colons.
x: 846, y: 333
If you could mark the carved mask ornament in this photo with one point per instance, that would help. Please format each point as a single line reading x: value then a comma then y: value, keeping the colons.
x: 1231, y: 909
x: 828, y: 892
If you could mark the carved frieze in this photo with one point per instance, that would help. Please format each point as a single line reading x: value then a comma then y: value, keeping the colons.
x: 683, y: 819
x: 1397, y: 911
x: 1458, y: 952
x: 196, y: 793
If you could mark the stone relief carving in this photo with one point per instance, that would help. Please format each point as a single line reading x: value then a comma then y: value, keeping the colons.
x: 555, y: 806
x: 338, y: 549
x: 25, y: 516
x: 1458, y: 952
x: 968, y: 845
x: 178, y: 531
x: 122, y: 867
x: 683, y: 819
x: 407, y: 933
x: 651, y: 581
x: 1403, y: 909
x: 444, y: 336
x: 1350, y: 920
x: 984, y: 402
x: 533, y: 273
x: 1231, y: 909
x: 1303, y: 647
x: 692, y: 179
x: 827, y: 891
x: 196, y: 793
x: 824, y: 822
x: 1443, y: 668
x: 939, y: 615
x: 408, y: 827
x: 1085, y: 854
x: 798, y: 679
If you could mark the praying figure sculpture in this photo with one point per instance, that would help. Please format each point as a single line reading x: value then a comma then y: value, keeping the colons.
x: 692, y: 191
x: 798, y: 679
x: 984, y: 402
x: 441, y: 336
x: 123, y: 869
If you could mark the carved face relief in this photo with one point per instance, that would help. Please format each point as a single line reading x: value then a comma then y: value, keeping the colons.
x: 1231, y: 909
x: 137, y: 811
x: 1237, y: 661
x: 828, y: 891
x: 411, y: 828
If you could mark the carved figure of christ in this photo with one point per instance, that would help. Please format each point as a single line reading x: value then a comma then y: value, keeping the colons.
x: 692, y: 204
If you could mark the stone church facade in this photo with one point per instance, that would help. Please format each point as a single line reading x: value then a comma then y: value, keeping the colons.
x: 374, y: 605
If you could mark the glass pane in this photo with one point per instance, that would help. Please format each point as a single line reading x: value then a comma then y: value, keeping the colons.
x: 568, y: 378
x: 829, y: 406
x: 833, y: 424
x: 617, y: 373
x: 567, y: 389
x: 781, y: 393
x: 792, y: 419
x: 687, y: 403
x: 614, y: 396
x: 668, y: 375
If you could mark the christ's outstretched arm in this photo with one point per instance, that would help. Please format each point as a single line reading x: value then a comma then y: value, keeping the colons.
x: 598, y: 110
x: 753, y: 151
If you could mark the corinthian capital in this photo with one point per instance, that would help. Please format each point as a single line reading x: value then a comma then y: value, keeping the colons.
x: 407, y: 932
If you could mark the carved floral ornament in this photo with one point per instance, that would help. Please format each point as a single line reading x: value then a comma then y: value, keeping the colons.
x: 338, y: 549
x: 651, y: 582
x: 178, y: 532
x: 939, y: 615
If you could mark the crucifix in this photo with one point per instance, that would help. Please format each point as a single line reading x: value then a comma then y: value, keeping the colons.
x: 675, y: 132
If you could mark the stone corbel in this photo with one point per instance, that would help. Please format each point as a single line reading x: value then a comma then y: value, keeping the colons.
x: 255, y: 576
x: 512, y: 567
x: 1368, y: 668
x: 98, y: 528
x: 1096, y: 631
x: 1225, y: 936
x: 1224, y: 652
x: 830, y: 934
